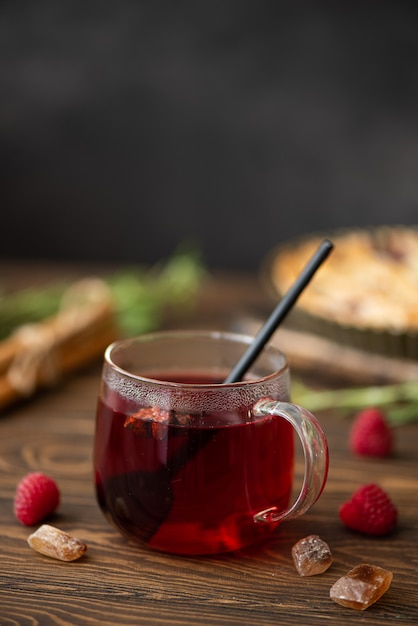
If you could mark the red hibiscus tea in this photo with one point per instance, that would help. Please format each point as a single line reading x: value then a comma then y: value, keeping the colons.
x: 192, y: 484
x: 184, y: 463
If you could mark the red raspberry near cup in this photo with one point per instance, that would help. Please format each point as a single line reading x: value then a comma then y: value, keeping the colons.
x: 37, y: 497
x: 370, y: 434
x: 369, y: 511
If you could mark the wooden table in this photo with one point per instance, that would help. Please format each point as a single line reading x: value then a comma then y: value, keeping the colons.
x: 121, y: 583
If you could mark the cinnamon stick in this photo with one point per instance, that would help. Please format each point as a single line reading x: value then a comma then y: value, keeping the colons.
x: 38, y: 355
x: 69, y: 357
x: 333, y: 361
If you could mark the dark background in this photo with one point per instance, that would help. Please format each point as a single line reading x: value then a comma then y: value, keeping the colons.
x: 128, y: 126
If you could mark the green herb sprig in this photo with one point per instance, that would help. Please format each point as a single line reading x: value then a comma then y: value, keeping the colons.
x: 399, y: 400
x: 142, y: 298
x: 141, y: 295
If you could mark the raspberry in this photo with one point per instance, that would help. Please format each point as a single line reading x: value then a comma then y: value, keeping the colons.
x: 37, y: 496
x: 370, y: 434
x: 369, y: 511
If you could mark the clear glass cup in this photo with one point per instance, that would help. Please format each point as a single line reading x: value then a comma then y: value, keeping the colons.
x: 189, y: 465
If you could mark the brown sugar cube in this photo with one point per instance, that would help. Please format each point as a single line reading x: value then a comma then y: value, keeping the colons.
x: 361, y: 587
x: 56, y: 543
x: 311, y: 556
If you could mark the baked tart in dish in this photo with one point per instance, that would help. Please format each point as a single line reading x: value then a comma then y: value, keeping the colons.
x: 365, y: 294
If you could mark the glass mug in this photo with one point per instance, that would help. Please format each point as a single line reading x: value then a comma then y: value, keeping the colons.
x: 189, y: 465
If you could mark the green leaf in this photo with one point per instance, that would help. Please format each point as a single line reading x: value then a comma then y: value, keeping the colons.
x: 399, y: 400
x: 140, y: 295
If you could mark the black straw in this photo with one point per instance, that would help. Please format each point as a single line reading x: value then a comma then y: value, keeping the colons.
x: 279, y: 313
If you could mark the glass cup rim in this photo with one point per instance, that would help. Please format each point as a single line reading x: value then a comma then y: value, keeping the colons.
x: 190, y: 334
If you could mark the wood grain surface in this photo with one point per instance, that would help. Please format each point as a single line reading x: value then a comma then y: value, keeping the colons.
x: 122, y: 583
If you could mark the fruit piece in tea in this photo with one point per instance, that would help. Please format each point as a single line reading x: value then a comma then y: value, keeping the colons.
x: 361, y: 587
x: 153, y: 422
x: 311, y: 556
x: 149, y: 421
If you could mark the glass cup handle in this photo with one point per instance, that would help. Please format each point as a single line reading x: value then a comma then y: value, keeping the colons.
x: 315, y: 450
